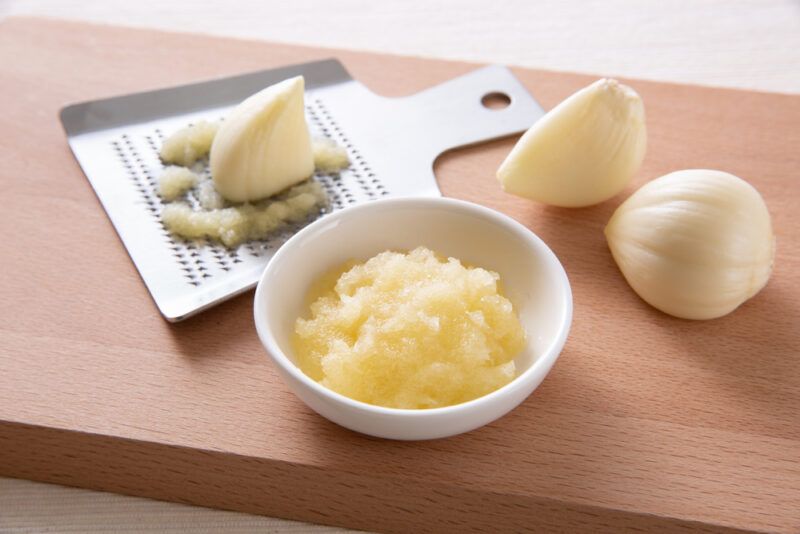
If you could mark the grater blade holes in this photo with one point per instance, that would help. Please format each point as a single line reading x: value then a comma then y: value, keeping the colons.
x: 201, y: 262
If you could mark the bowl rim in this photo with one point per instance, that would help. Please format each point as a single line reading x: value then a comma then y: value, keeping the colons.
x: 547, y: 357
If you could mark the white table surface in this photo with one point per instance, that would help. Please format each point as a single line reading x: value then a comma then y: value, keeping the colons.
x: 728, y: 43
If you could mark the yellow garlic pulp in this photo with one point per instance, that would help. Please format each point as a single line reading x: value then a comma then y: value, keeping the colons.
x: 584, y: 151
x: 175, y: 181
x: 329, y: 157
x: 409, y: 331
x: 189, y: 144
x: 695, y: 244
x: 235, y: 224
x: 263, y: 146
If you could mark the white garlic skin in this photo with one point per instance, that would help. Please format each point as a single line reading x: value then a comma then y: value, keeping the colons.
x: 263, y: 146
x: 695, y: 244
x: 583, y: 151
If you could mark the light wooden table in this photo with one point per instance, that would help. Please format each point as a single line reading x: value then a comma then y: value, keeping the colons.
x: 753, y: 45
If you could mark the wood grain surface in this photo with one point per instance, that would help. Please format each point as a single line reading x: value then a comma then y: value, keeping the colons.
x: 646, y: 421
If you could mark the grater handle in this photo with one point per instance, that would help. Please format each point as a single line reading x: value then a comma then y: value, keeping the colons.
x: 453, y: 114
x: 402, y: 137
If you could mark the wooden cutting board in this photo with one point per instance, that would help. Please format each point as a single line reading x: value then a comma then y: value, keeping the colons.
x: 646, y: 422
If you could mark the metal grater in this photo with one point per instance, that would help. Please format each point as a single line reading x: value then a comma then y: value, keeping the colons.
x: 392, y: 144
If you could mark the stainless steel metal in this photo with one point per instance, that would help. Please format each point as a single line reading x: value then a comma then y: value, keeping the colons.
x: 392, y: 143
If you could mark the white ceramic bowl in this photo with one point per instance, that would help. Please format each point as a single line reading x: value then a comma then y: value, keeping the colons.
x: 532, y: 277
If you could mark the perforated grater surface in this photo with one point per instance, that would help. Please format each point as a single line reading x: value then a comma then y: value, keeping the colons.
x: 392, y: 144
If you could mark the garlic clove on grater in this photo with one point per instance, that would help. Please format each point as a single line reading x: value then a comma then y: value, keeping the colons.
x: 263, y: 146
x: 582, y: 152
x: 695, y: 244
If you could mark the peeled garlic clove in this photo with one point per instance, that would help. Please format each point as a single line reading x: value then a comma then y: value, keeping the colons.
x: 694, y: 244
x: 584, y: 151
x: 263, y: 146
